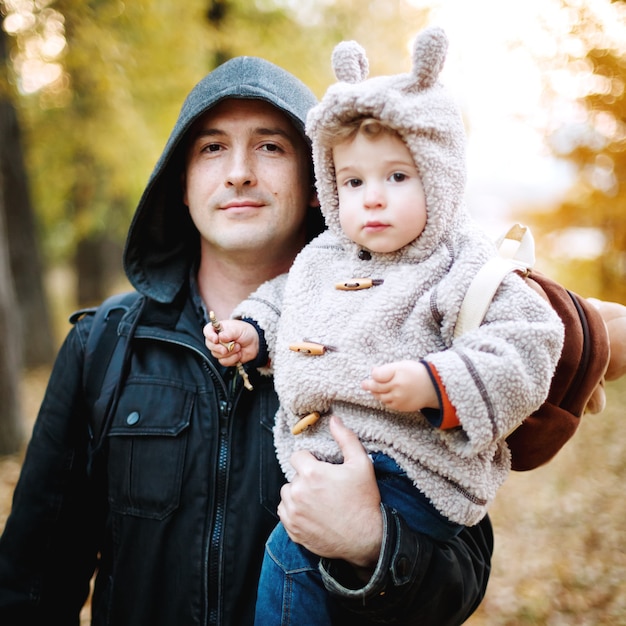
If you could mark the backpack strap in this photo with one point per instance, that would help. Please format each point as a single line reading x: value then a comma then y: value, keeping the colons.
x: 104, y: 354
x: 516, y: 252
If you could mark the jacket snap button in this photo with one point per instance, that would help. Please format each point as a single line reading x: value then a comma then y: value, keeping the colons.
x: 365, y: 255
x: 402, y: 566
x: 132, y: 418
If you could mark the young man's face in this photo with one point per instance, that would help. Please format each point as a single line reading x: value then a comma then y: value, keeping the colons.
x: 247, y: 182
x: 381, y: 199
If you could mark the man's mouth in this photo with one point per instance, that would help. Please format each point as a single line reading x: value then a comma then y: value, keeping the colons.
x: 241, y: 206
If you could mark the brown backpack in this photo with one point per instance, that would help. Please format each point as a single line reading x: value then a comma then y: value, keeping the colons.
x: 581, y: 367
x: 580, y: 370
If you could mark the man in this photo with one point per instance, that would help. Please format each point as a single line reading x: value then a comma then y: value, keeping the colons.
x: 170, y: 495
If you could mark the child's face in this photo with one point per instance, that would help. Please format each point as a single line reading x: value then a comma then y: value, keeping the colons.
x: 381, y: 199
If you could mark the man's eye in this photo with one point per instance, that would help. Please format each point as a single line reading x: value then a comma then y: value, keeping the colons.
x: 212, y: 147
x: 271, y: 147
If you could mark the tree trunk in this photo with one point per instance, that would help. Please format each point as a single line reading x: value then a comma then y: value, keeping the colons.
x: 23, y: 247
x: 11, y: 432
x: 98, y: 268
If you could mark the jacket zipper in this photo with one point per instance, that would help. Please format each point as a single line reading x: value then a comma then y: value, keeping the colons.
x: 215, y: 545
x: 227, y: 400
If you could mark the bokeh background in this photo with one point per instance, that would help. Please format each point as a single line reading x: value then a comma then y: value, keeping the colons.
x: 89, y: 90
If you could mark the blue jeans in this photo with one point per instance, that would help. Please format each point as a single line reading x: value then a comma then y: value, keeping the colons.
x: 291, y: 592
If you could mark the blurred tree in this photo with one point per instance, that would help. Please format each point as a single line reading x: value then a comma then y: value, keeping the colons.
x: 22, y: 234
x: 10, y: 362
x: 593, y: 140
x: 99, y: 83
x: 300, y: 36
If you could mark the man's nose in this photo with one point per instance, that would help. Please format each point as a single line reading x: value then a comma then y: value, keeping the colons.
x: 241, y: 170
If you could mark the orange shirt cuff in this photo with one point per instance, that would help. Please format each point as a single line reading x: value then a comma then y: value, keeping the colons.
x: 449, y: 417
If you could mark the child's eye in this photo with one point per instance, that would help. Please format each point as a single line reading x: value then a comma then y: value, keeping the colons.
x: 354, y: 182
x: 398, y: 177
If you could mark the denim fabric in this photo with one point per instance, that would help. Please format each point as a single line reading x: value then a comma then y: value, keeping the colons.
x: 291, y: 591
x: 398, y: 492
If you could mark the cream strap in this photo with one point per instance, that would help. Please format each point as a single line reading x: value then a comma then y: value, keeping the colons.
x: 516, y: 252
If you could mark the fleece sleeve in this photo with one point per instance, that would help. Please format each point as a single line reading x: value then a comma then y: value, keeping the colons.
x: 498, y: 374
x: 264, y: 309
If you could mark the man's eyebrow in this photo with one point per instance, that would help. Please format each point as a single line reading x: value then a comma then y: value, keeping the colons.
x: 261, y: 131
x: 273, y: 131
x: 207, y: 132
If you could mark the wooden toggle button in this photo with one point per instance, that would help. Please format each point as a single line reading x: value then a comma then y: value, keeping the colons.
x: 308, y: 347
x: 305, y: 422
x: 354, y: 284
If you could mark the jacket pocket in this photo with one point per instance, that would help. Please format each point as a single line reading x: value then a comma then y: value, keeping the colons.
x: 147, y: 448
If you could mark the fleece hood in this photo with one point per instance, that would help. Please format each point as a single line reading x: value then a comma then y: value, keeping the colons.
x: 420, y: 110
x: 162, y: 241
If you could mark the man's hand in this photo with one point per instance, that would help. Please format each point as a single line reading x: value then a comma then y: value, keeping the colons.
x: 334, y: 510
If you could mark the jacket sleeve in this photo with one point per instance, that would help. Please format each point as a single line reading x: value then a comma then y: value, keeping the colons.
x: 417, y: 580
x: 47, y: 554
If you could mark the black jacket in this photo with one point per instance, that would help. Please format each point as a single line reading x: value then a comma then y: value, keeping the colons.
x: 180, y: 510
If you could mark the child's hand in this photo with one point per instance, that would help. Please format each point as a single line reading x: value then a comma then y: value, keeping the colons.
x: 402, y: 386
x: 237, y: 342
x: 614, y: 316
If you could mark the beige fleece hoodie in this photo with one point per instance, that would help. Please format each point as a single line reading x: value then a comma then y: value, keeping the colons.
x: 494, y: 376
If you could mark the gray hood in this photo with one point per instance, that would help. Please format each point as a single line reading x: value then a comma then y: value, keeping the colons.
x: 162, y: 241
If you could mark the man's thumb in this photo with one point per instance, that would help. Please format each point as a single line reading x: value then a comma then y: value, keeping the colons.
x: 347, y: 439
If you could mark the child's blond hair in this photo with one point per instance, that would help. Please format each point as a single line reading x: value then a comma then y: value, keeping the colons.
x: 368, y: 126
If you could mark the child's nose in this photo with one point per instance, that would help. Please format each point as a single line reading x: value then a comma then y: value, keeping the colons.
x: 374, y: 197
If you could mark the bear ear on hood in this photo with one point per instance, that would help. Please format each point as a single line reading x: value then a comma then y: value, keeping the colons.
x: 350, y: 62
x: 429, y: 54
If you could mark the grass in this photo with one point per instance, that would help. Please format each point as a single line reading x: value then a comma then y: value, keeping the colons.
x: 560, y: 555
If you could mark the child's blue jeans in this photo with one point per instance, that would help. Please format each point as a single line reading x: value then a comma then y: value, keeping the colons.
x: 291, y: 592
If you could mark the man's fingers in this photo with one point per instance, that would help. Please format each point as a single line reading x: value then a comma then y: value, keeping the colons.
x: 301, y: 460
x: 347, y: 440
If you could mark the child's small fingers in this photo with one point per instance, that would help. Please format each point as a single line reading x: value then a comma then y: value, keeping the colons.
x: 216, y: 349
x: 373, y: 386
x: 229, y: 360
x: 382, y: 373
